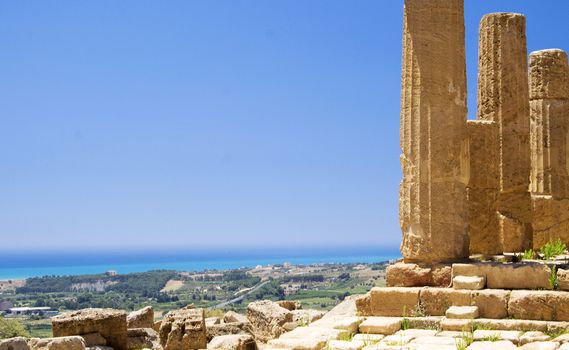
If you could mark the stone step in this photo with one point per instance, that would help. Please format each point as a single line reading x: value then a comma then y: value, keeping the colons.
x: 462, y: 312
x: 469, y: 282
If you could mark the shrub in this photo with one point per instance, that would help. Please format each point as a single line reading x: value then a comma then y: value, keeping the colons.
x: 12, y: 328
x: 552, y: 249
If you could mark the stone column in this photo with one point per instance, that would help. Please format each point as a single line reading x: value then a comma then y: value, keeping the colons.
x: 549, y: 120
x: 549, y: 96
x: 433, y: 132
x: 483, y: 188
x: 503, y: 98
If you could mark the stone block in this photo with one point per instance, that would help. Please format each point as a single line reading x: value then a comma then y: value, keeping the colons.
x: 492, y: 345
x: 57, y: 343
x: 345, y: 345
x: 267, y: 319
x: 435, y: 301
x: 533, y: 336
x: 540, y: 345
x: 462, y: 312
x: 290, y: 305
x: 183, y: 329
x: 143, y: 318
x: 539, y: 305
x: 142, y: 338
x: 469, y: 282
x: 380, y: 325
x: 482, y: 334
x: 233, y: 342
x: 492, y: 303
x: 232, y: 316
x: 522, y: 275
x: 456, y: 325
x: 17, y: 343
x: 394, y: 301
x: 228, y: 329
x: 408, y: 275
x: 350, y: 323
x: 110, y: 324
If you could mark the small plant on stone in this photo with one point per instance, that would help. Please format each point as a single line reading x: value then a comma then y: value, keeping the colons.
x: 368, y: 340
x: 493, y: 337
x: 528, y: 254
x: 552, y: 249
x: 553, y: 278
x: 346, y: 336
x: 464, y: 341
x: 405, y: 323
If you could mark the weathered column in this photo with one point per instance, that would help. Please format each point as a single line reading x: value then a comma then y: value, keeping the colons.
x: 549, y: 120
x: 503, y: 98
x: 433, y: 132
x: 549, y: 95
x: 483, y: 188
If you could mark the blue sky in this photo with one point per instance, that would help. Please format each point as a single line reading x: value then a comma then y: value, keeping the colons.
x: 211, y: 123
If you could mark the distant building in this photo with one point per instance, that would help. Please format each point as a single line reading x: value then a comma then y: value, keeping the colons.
x: 30, y: 311
x: 111, y: 273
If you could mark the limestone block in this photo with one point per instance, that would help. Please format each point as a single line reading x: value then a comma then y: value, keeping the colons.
x: 435, y: 301
x: 363, y: 305
x: 469, y: 282
x: 482, y: 334
x: 563, y: 279
x: 456, y: 325
x: 408, y: 275
x: 210, y: 321
x: 142, y: 338
x: 57, y: 343
x: 395, y: 340
x: 462, y: 312
x: 492, y: 303
x: 492, y: 345
x: 233, y: 342
x: 513, y: 325
x: 94, y: 339
x: 345, y: 345
x: 416, y: 333
x: 442, y: 275
x: 540, y: 345
x: 551, y: 220
x: 267, y: 319
x: 297, y: 343
x: 394, y: 301
x: 433, y: 340
x: 563, y: 338
x: 110, y: 324
x: 380, y: 325
x: 290, y: 305
x: 530, y: 337
x: 425, y: 322
x: 232, y: 316
x: 350, y: 323
x: 18, y: 343
x: 313, y: 332
x: 368, y: 338
x: 433, y: 132
x: 539, y: 305
x: 228, y: 329
x: 527, y: 275
x: 564, y: 347
x: 143, y: 318
x: 183, y: 329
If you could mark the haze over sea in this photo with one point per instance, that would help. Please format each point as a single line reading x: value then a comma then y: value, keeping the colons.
x: 20, y: 265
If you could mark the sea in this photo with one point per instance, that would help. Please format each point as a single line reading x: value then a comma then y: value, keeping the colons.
x: 22, y: 265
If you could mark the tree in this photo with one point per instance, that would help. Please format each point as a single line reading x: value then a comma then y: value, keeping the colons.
x: 12, y: 328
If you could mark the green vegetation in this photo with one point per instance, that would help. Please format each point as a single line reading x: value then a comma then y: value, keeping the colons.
x: 553, y: 278
x: 552, y: 249
x: 12, y: 328
x: 464, y: 341
x: 528, y: 254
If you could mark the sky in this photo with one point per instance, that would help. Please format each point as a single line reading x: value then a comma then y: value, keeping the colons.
x: 211, y: 123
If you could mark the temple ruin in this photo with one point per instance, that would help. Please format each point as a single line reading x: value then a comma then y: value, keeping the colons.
x: 479, y: 198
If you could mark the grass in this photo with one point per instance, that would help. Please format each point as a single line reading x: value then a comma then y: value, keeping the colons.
x: 528, y: 254
x: 553, y: 278
x: 552, y: 249
x: 464, y: 341
x: 492, y: 338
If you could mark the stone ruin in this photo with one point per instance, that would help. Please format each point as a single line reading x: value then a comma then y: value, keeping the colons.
x: 477, y: 193
x: 500, y: 183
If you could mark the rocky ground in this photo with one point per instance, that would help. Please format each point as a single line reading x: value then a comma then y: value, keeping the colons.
x: 285, y: 325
